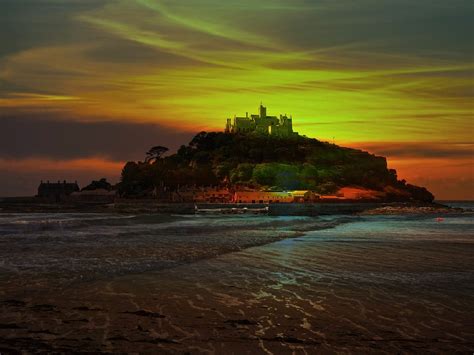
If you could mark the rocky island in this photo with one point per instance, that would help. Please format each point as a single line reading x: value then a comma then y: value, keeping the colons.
x: 258, y: 161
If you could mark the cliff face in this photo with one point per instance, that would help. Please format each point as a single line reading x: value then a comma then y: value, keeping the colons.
x: 264, y: 162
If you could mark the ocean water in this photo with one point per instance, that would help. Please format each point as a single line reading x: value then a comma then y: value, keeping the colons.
x: 237, y: 284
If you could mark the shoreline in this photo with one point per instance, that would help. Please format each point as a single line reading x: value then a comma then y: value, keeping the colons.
x: 142, y: 206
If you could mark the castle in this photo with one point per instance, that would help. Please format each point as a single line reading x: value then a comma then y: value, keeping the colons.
x: 261, y: 123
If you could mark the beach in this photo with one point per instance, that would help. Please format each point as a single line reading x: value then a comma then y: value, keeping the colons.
x: 237, y: 284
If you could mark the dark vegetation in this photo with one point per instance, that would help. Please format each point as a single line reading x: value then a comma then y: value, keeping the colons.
x: 263, y: 162
x: 98, y: 184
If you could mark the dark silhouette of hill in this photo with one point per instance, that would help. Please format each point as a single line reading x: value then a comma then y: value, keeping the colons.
x: 265, y: 162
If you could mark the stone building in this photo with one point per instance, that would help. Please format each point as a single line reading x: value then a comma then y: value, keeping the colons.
x: 262, y: 197
x: 202, y: 195
x: 295, y: 196
x: 275, y: 126
x: 56, y: 191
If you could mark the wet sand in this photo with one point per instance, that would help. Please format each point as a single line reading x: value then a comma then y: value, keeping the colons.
x: 343, y: 289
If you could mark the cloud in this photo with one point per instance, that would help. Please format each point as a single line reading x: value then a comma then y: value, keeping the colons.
x: 446, y: 177
x: 445, y: 168
x: 453, y: 150
x: 125, y: 52
x: 26, y: 24
x: 363, y: 71
x: 192, y: 63
x: 454, y: 188
x: 55, y: 136
x: 21, y: 177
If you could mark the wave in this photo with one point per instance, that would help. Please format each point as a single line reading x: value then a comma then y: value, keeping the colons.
x: 77, y: 247
x: 17, y: 224
x: 42, y: 222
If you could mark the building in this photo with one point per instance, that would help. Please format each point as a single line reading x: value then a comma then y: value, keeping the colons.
x: 275, y: 126
x: 202, y: 195
x: 298, y: 196
x: 56, y: 191
x: 262, y: 197
x: 305, y: 196
x: 213, y: 196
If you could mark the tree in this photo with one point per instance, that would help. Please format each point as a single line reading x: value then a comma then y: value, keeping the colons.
x: 262, y: 162
x: 284, y: 176
x: 287, y: 176
x: 222, y: 171
x: 98, y: 184
x: 264, y: 174
x: 137, y: 179
x: 155, y: 153
x: 242, y: 173
x: 308, y: 176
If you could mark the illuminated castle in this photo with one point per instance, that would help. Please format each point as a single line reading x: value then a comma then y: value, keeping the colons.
x: 261, y: 123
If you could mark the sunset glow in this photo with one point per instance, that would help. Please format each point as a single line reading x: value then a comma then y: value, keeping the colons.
x: 361, y: 75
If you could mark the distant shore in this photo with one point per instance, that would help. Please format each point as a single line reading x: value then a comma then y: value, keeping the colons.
x: 408, y: 209
x: 147, y: 206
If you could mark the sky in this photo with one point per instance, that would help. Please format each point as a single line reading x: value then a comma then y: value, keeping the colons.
x: 86, y: 85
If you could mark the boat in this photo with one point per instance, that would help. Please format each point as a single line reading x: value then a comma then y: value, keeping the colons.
x: 231, y: 210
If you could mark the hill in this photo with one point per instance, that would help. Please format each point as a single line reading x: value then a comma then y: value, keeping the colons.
x: 265, y: 162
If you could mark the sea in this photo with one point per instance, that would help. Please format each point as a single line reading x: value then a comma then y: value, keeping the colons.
x: 237, y: 283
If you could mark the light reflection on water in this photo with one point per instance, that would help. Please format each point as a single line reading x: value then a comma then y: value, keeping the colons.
x: 390, y: 283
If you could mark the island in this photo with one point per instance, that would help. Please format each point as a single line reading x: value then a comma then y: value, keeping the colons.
x: 256, y: 161
x: 259, y: 159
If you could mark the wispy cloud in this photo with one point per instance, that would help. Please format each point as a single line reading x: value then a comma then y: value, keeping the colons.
x: 453, y: 150
x: 61, y: 137
x: 365, y: 71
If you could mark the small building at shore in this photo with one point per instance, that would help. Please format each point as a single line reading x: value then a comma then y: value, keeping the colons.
x: 53, y: 191
x: 224, y: 195
x: 202, y: 195
x: 216, y: 194
x: 305, y: 196
x: 262, y: 197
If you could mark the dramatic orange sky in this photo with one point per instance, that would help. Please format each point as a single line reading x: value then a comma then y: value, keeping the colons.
x: 88, y: 84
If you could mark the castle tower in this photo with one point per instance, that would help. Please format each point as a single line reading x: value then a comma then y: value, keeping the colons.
x: 263, y: 111
x: 228, y: 126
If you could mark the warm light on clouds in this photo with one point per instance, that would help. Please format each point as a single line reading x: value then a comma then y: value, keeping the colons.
x: 50, y: 166
x: 444, y: 167
x: 354, y: 72
x: 449, y: 179
x: 21, y: 177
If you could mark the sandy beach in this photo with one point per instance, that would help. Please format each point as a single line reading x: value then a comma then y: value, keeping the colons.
x: 200, y: 284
